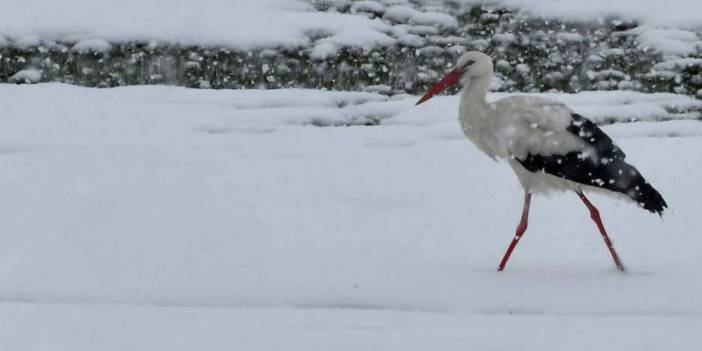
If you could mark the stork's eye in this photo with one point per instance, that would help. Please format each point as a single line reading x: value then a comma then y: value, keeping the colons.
x: 468, y: 63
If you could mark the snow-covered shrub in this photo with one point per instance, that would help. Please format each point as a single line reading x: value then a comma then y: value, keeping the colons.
x: 531, y: 54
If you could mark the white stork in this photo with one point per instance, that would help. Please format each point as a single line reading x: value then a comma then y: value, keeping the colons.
x: 549, y: 147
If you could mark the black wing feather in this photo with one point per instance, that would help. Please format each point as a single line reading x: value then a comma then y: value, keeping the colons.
x: 601, y: 166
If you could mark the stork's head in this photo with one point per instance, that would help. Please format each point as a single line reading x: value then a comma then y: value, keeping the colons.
x: 472, y: 64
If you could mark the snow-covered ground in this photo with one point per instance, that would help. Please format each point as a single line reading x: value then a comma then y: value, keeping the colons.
x: 162, y: 218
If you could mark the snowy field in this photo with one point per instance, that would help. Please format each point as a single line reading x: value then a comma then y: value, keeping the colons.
x: 162, y: 218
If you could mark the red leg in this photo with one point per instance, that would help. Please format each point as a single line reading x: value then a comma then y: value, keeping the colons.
x: 595, y: 215
x: 521, y: 228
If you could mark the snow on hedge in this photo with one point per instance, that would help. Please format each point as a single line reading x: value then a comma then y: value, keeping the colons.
x: 667, y: 26
x: 243, y: 24
x: 91, y: 46
x: 673, y: 13
x: 27, y: 76
x: 240, y: 24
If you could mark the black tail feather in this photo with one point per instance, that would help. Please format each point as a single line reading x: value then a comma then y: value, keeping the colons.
x: 647, y: 197
x: 624, y: 178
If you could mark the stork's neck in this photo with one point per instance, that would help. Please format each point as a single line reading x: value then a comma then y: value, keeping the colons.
x: 473, y: 96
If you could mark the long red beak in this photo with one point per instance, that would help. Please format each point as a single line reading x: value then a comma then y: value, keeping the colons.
x: 450, y: 79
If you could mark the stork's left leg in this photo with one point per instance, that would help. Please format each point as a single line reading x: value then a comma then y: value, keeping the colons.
x: 521, y: 228
x: 595, y: 215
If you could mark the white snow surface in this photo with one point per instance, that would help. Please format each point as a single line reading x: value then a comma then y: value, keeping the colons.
x: 668, y: 26
x: 434, y: 19
x: 239, y: 24
x: 367, y: 6
x: 29, y: 75
x: 671, y: 27
x: 92, y: 45
x: 400, y: 13
x: 672, y: 13
x: 164, y: 218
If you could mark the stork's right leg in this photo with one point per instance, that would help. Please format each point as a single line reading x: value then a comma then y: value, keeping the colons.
x: 595, y: 215
x: 521, y: 228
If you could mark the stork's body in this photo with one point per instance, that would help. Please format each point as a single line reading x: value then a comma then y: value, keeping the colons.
x: 549, y: 147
